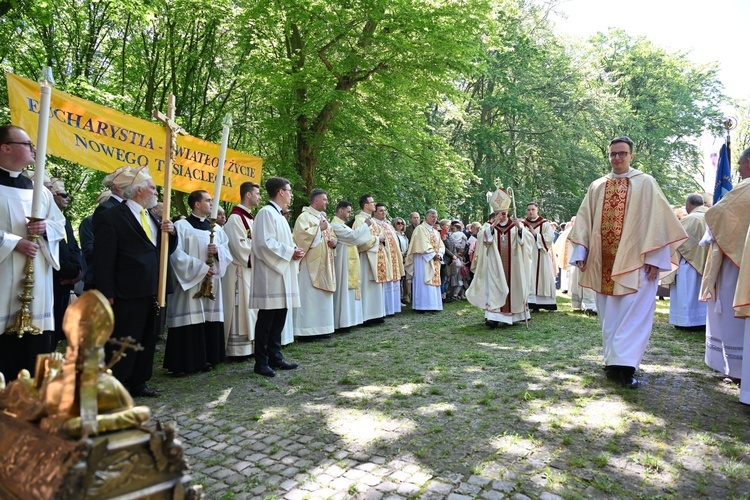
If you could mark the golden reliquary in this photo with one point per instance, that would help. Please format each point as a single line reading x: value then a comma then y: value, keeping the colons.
x: 73, y: 430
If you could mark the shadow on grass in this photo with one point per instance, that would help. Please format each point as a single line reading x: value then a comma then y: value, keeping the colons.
x: 527, y: 406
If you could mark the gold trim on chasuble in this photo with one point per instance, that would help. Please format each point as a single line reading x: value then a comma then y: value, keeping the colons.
x: 613, y: 219
x: 537, y: 226
x: 395, y: 254
x: 382, y: 276
x: 434, y: 240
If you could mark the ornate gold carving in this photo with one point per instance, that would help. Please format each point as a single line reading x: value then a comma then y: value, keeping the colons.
x: 69, y: 392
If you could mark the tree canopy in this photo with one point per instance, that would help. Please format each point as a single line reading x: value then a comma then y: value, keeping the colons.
x: 418, y: 102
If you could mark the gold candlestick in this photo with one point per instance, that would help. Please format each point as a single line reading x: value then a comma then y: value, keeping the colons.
x: 207, y: 286
x: 24, y: 321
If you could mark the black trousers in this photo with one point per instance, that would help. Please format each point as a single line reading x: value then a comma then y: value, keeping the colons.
x: 135, y: 318
x: 268, y: 328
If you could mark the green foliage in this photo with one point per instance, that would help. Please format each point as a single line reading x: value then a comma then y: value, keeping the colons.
x: 424, y: 104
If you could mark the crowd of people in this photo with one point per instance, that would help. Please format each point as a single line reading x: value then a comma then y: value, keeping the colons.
x: 243, y: 285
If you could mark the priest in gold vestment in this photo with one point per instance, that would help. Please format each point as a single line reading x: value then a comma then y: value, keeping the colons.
x: 317, y: 280
x: 685, y: 310
x: 624, y: 237
x: 727, y: 223
x: 394, y: 262
x: 347, y: 299
x: 742, y: 292
x: 502, y: 267
x: 371, y: 264
x: 423, y: 258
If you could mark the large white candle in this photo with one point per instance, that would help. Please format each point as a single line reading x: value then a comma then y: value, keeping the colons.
x: 220, y: 167
x: 46, y: 83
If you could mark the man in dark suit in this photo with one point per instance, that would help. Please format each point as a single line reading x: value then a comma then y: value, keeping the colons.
x: 126, y: 256
x: 111, y: 199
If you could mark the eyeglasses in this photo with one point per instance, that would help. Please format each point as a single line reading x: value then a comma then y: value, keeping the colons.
x: 618, y: 154
x: 63, y: 195
x: 28, y: 144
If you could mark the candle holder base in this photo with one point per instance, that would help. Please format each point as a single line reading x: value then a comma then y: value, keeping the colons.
x: 207, y: 286
x: 23, y: 323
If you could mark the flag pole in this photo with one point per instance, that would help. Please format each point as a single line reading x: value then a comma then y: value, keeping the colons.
x: 729, y: 124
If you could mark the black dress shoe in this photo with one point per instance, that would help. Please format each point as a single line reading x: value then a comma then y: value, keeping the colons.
x: 285, y: 365
x: 630, y: 382
x: 491, y: 324
x: 265, y: 371
x: 145, y: 393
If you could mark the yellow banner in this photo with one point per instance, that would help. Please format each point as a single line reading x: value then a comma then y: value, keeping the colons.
x: 104, y: 139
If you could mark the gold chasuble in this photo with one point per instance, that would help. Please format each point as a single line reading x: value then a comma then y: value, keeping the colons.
x: 617, y: 240
x: 320, y: 257
x: 352, y: 257
x: 394, y: 261
x: 742, y: 293
x: 694, y: 224
x: 728, y: 222
x: 424, y: 240
x: 376, y: 260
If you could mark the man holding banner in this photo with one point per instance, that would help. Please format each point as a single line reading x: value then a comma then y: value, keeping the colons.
x: 16, y: 153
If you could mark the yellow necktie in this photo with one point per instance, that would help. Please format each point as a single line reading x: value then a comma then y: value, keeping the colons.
x: 145, y: 225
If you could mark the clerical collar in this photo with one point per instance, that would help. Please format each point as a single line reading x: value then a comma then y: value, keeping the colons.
x: 620, y: 176
x: 12, y: 173
x: 533, y: 220
x: 197, y: 217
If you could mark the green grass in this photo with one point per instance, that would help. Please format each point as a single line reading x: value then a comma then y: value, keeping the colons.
x: 453, y: 397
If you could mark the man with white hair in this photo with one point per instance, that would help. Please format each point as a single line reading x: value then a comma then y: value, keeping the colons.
x: 426, y: 250
x: 16, y: 193
x: 126, y: 255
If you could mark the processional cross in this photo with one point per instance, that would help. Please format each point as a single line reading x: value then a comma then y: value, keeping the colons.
x: 173, y: 130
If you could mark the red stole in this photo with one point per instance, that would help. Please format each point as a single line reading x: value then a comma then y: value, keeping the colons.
x: 244, y: 217
x: 613, y: 220
x: 537, y: 226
